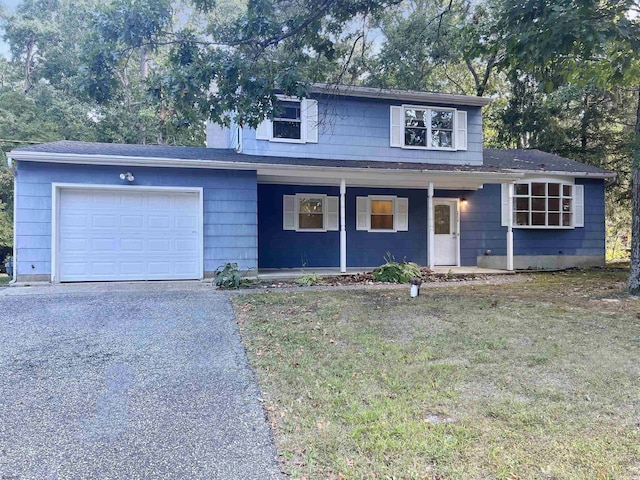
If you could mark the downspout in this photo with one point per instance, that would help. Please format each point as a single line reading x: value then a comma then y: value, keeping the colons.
x: 343, y: 227
x: 14, y: 170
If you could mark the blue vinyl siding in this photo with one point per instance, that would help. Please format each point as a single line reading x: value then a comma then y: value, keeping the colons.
x: 280, y: 248
x: 359, y: 129
x: 589, y: 240
x: 480, y: 230
x: 230, y: 211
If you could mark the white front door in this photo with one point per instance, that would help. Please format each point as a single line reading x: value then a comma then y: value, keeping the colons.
x: 128, y: 234
x: 445, y: 216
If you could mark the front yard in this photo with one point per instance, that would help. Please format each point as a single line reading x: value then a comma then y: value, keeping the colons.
x: 535, y: 380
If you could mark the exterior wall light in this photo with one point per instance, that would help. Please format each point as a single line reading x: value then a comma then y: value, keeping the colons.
x: 463, y: 201
x: 127, y: 176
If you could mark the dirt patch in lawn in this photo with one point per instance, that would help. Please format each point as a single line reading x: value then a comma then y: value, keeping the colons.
x: 535, y: 380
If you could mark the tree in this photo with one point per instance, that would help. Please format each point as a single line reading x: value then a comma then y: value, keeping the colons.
x: 570, y: 42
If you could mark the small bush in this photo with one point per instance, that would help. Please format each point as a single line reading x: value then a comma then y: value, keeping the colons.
x: 308, y: 280
x: 228, y: 276
x: 396, y: 272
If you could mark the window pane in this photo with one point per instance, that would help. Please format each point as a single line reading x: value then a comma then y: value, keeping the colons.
x: 310, y: 221
x: 441, y: 138
x: 538, y: 204
x: 554, y: 219
x: 382, y: 207
x: 522, y: 189
x: 288, y: 110
x: 441, y: 119
x: 538, y: 189
x: 442, y: 219
x: 381, y: 222
x: 538, y: 219
x: 566, y: 190
x: 415, y: 137
x: 554, y: 189
x: 566, y: 204
x: 554, y: 204
x: 566, y: 219
x: 310, y: 205
x: 522, y: 204
x: 522, y: 218
x: 286, y: 130
x: 414, y: 118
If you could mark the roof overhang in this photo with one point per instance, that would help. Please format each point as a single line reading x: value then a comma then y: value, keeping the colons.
x: 299, y: 174
x: 557, y: 173
x: 399, y: 95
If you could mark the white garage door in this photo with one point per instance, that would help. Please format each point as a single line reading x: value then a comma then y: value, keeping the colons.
x: 128, y: 234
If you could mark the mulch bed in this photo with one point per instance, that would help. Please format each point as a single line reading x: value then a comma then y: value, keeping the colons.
x: 365, y: 278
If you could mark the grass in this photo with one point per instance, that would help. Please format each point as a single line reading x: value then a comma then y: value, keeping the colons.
x: 536, y: 380
x: 4, y: 279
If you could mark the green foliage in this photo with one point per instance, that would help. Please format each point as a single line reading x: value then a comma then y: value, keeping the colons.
x: 228, y: 276
x: 308, y: 280
x: 396, y: 272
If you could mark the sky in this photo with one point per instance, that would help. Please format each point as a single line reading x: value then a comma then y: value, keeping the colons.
x: 9, y: 5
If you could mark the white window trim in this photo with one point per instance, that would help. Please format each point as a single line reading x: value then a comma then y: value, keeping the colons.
x: 303, y: 122
x: 296, y: 220
x: 394, y: 199
x: 547, y: 180
x: 428, y: 108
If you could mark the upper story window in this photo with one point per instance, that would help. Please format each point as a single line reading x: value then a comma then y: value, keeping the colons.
x: 546, y: 204
x: 433, y: 128
x: 428, y: 128
x: 295, y: 121
x: 287, y: 122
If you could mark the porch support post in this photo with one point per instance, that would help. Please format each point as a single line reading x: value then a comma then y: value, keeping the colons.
x: 510, y: 228
x: 343, y: 226
x: 431, y: 229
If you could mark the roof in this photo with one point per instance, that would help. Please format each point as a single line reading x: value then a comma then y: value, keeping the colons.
x: 401, y: 95
x: 495, y: 160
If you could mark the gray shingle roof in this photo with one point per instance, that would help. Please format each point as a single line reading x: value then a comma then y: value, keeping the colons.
x: 495, y: 160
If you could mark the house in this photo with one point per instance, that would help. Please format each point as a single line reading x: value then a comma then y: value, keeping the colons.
x: 334, y: 180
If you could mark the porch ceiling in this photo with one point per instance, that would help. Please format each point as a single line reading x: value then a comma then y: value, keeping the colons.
x: 383, y: 178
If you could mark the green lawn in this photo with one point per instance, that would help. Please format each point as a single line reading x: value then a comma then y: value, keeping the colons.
x: 535, y: 380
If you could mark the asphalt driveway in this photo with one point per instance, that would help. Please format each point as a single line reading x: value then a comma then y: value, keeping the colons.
x: 117, y: 382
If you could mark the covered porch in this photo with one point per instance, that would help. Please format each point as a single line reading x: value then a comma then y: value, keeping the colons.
x: 436, y: 202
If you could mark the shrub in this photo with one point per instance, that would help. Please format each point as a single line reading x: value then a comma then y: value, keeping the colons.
x: 228, y: 276
x: 396, y: 272
x: 308, y: 280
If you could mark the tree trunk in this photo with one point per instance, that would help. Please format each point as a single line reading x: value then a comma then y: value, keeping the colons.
x: 634, y: 273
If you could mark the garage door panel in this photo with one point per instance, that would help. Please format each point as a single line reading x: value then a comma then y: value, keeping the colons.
x: 71, y: 220
x: 159, y: 245
x: 156, y: 237
x: 104, y: 221
x: 132, y: 221
x: 159, y: 200
x: 159, y: 222
x: 132, y: 199
x: 131, y: 245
